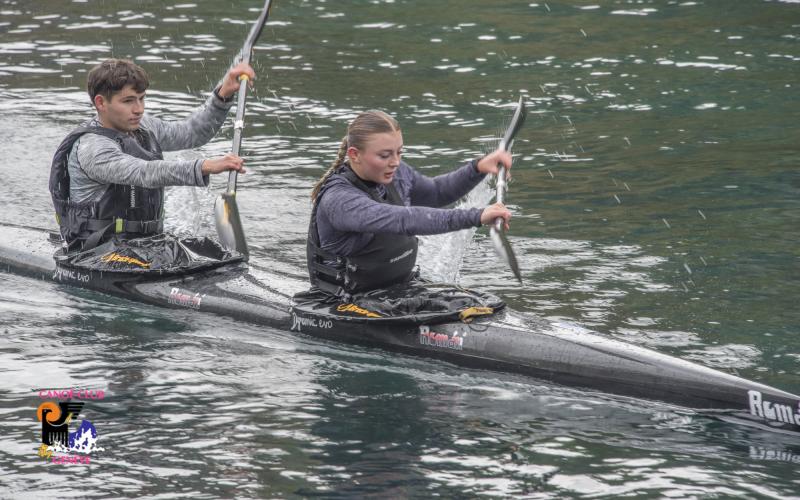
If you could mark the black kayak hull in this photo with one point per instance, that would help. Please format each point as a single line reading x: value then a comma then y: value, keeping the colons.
x: 508, y: 341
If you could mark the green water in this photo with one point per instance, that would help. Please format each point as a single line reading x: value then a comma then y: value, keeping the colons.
x: 655, y: 197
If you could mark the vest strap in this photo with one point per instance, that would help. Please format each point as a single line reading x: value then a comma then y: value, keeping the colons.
x: 327, y: 270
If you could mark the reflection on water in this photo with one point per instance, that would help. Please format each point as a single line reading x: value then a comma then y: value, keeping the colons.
x: 654, y: 195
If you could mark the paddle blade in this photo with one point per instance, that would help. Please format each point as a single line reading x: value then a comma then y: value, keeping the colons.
x: 229, y: 224
x: 513, y: 127
x: 503, y: 249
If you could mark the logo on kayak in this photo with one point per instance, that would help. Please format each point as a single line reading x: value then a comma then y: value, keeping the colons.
x: 185, y: 299
x: 122, y: 259
x: 358, y: 310
x: 772, y: 411
x: 62, y: 274
x: 434, y: 339
x: 58, y: 444
x: 298, y: 322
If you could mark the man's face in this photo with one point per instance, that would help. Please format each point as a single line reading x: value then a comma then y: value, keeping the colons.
x: 123, y: 111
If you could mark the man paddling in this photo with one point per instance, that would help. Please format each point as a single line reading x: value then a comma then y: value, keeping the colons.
x: 108, y: 175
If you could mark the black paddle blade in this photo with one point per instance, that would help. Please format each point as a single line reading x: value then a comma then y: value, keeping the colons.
x: 255, y: 32
x: 516, y: 123
x: 504, y: 250
x: 229, y: 224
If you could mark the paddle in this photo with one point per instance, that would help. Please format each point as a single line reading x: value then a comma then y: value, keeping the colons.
x: 498, y: 230
x: 226, y: 212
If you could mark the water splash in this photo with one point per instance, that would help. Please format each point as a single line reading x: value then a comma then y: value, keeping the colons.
x: 440, y: 256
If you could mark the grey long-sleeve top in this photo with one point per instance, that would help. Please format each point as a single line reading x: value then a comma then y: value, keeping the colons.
x: 348, y: 218
x: 96, y: 161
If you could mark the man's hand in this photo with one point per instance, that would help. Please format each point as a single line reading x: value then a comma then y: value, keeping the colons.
x: 218, y: 165
x: 488, y: 164
x: 230, y: 84
x: 492, y: 212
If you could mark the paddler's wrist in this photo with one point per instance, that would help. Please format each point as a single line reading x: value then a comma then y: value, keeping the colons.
x: 219, y: 94
x: 201, y: 178
x: 475, y: 215
x: 474, y: 164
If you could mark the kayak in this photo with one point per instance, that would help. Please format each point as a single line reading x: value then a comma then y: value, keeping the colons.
x: 507, y: 341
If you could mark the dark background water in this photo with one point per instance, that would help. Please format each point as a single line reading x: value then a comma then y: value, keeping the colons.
x: 655, y: 196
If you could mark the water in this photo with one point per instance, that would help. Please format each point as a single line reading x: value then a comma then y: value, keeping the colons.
x: 655, y: 199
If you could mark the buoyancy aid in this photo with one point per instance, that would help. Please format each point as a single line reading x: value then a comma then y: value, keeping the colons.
x: 122, y: 210
x: 387, y: 259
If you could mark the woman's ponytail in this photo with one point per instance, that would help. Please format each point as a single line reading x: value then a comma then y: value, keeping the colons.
x: 338, y: 161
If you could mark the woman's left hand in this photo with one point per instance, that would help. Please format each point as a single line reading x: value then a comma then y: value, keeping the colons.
x: 488, y: 164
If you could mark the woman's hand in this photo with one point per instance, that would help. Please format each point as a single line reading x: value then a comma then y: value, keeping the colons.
x: 488, y: 164
x: 492, y: 212
x: 218, y: 165
x: 230, y: 84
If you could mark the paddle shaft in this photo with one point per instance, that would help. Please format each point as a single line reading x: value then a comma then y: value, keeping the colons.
x: 501, y: 192
x: 238, y: 125
x: 505, y: 144
x: 502, y: 184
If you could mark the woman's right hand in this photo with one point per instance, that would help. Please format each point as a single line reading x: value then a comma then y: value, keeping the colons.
x: 218, y: 165
x: 492, y: 212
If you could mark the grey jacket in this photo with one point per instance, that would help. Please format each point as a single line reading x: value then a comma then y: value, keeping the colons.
x: 347, y: 218
x: 97, y: 161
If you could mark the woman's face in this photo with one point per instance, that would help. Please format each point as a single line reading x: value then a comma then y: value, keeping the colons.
x: 379, y: 159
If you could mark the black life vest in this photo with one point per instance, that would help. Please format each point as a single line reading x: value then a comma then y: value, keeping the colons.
x: 128, y: 211
x: 388, y: 259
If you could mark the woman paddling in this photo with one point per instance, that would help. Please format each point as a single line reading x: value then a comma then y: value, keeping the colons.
x: 369, y: 207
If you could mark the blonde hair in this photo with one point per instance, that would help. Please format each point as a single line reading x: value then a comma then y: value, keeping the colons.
x: 358, y: 132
